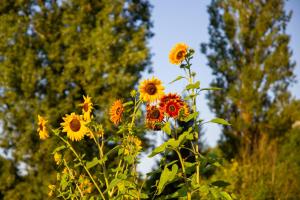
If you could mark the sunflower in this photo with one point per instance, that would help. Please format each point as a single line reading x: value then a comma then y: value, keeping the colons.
x: 166, y: 98
x: 172, y: 108
x: 151, y: 89
x: 87, y: 107
x: 75, y: 127
x: 154, y: 114
x: 184, y: 111
x: 116, y: 111
x: 178, y: 53
x: 43, y: 133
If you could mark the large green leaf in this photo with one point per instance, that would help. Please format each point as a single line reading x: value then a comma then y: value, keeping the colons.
x: 167, y: 176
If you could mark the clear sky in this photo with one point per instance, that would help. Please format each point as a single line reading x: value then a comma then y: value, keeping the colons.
x: 187, y: 21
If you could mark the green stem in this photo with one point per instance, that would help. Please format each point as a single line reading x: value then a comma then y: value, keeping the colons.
x: 101, y: 155
x: 66, y: 164
x: 184, y: 173
x: 194, y: 108
x: 87, y: 171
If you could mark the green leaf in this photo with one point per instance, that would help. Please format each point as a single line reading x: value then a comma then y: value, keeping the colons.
x: 220, y: 121
x: 59, y: 149
x: 128, y: 103
x: 177, y: 79
x: 167, y: 128
x: 173, y: 143
x: 144, y: 196
x: 191, y: 116
x: 220, y: 183
x: 226, y: 195
x: 167, y: 176
x: 211, y: 88
x: 158, y: 150
x: 193, y: 86
x: 92, y: 163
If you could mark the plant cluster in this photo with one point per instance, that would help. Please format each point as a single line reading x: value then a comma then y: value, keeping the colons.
x: 80, y: 178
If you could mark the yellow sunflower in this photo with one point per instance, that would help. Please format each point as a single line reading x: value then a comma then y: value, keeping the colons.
x: 151, y: 89
x: 75, y: 127
x: 43, y: 133
x: 116, y: 111
x: 178, y: 53
x: 87, y: 107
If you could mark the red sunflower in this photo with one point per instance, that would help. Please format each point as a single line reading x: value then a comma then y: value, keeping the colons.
x: 173, y: 107
x: 166, y: 98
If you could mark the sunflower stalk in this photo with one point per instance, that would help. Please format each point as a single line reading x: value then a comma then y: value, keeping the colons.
x: 83, y: 165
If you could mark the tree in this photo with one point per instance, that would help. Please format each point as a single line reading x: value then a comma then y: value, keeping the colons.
x: 52, y: 53
x: 249, y: 56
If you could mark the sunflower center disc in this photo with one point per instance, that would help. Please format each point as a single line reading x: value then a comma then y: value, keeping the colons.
x: 172, y: 108
x: 118, y: 111
x: 86, y: 107
x: 41, y: 127
x: 155, y: 114
x: 151, y: 88
x: 179, y: 55
x: 75, y: 125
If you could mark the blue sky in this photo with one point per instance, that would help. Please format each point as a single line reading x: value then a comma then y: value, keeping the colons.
x: 187, y: 21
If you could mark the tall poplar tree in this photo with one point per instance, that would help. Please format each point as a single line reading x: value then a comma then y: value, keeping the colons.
x: 51, y: 53
x: 250, y: 59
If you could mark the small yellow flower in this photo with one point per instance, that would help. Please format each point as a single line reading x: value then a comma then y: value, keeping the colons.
x: 43, y: 133
x: 178, y: 53
x: 85, y: 185
x: 131, y: 145
x: 151, y: 90
x: 51, y: 190
x: 74, y: 126
x: 57, y: 158
x: 87, y: 107
x: 116, y: 111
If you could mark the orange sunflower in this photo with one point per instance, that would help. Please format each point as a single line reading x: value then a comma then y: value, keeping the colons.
x: 116, y: 111
x: 154, y: 117
x: 87, y: 107
x: 43, y: 133
x: 178, y: 53
x: 151, y: 89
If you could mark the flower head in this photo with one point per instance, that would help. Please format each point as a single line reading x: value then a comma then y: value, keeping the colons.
x: 87, y: 107
x: 132, y: 145
x: 43, y: 133
x: 116, y: 111
x: 178, y: 53
x: 172, y: 108
x: 166, y: 98
x: 154, y: 117
x: 57, y: 158
x: 151, y: 89
x: 74, y: 126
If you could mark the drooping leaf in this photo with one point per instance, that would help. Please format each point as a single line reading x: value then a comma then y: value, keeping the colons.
x: 92, y: 163
x: 177, y: 79
x: 193, y: 86
x: 220, y: 183
x: 167, y: 128
x: 220, y: 121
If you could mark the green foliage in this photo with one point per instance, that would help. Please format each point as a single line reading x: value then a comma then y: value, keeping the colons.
x: 249, y: 55
x: 271, y: 172
x: 52, y: 53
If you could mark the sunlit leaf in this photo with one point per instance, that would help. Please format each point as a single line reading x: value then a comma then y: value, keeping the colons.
x: 220, y: 121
